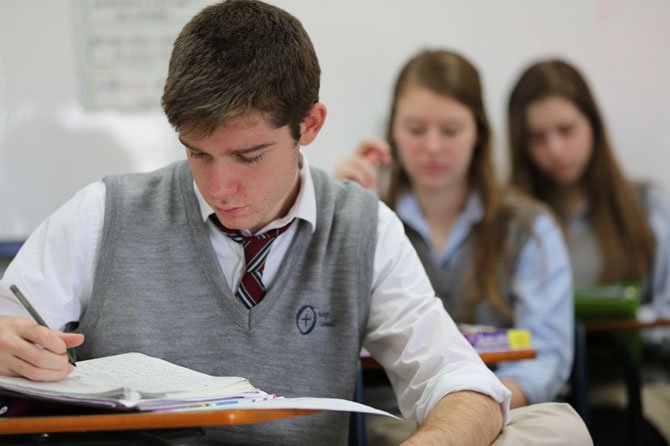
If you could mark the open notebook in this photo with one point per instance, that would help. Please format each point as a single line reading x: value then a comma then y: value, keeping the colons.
x: 135, y: 381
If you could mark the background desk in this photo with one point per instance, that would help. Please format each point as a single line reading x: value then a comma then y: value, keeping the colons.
x: 606, y: 326
x: 369, y: 363
x: 607, y: 330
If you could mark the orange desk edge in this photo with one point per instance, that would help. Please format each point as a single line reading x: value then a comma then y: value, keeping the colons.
x: 369, y: 363
x: 144, y: 420
x: 595, y: 326
x: 508, y: 355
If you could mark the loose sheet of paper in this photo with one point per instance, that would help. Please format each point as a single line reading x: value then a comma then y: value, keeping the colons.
x: 298, y: 403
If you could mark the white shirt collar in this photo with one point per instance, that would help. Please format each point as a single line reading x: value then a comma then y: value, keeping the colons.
x: 303, y: 208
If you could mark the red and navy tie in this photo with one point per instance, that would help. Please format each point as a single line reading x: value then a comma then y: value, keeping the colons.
x: 256, y: 248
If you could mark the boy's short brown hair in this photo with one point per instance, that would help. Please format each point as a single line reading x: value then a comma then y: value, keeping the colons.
x: 240, y: 56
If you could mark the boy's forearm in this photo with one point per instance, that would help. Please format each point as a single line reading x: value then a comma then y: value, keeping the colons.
x: 460, y: 418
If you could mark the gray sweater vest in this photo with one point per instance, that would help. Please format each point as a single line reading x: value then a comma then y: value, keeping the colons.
x: 585, y: 253
x: 159, y: 290
x: 449, y: 281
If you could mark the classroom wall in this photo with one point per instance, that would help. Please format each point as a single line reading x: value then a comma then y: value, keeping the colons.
x: 64, y: 120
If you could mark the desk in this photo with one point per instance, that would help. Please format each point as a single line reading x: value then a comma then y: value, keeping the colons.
x: 606, y: 326
x: 157, y: 428
x: 144, y: 420
x: 489, y: 358
x: 631, y: 369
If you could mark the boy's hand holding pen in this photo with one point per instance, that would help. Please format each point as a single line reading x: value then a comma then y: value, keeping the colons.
x: 24, y: 301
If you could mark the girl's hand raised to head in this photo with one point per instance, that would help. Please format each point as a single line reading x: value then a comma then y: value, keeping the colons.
x: 361, y: 165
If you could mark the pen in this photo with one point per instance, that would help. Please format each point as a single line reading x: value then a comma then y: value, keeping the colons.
x: 19, y: 295
x: 218, y: 403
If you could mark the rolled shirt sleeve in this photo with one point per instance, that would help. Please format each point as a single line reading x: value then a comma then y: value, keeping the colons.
x: 411, y: 335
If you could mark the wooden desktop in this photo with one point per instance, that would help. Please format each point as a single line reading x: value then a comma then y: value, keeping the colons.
x: 489, y: 358
x: 144, y: 420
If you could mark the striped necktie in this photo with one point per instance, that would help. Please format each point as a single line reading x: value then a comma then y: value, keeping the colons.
x: 256, y: 248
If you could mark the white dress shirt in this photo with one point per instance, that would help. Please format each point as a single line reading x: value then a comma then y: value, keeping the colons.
x: 408, y: 331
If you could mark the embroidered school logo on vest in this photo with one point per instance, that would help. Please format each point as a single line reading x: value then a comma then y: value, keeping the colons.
x: 307, y: 317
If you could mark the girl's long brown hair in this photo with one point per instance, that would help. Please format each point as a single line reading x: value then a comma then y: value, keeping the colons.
x: 624, y: 236
x: 449, y: 74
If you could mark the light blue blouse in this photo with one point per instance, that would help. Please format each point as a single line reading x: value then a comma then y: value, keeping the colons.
x: 542, y: 284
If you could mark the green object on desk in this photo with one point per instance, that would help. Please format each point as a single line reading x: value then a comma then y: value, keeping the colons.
x: 611, y: 301
x: 608, y: 301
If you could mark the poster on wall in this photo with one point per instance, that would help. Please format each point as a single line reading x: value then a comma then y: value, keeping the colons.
x: 124, y: 48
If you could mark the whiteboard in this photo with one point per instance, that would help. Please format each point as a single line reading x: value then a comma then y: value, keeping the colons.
x: 62, y: 124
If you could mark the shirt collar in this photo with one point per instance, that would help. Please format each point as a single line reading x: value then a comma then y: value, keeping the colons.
x: 474, y: 209
x: 303, y: 208
x: 409, y: 211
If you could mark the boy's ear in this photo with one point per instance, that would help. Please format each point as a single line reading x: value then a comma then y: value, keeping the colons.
x: 311, y: 125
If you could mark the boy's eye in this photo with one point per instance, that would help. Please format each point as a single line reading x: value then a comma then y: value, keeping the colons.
x: 250, y: 159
